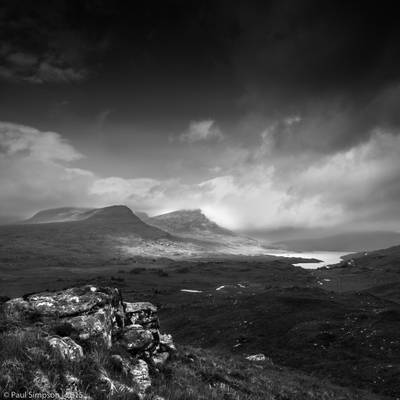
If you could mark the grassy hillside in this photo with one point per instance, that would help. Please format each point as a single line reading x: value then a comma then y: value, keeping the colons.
x: 28, y: 363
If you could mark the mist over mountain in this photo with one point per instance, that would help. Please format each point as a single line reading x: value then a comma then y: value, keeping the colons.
x: 61, y: 214
x: 181, y: 233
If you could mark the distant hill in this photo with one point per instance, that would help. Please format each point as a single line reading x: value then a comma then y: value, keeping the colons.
x: 193, y: 225
x: 187, y: 223
x: 350, y: 241
x: 117, y: 230
x: 62, y: 214
x: 117, y: 218
x: 388, y: 259
x: 377, y: 272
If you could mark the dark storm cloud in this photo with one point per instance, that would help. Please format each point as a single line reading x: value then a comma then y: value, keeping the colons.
x: 39, y: 43
x: 281, y: 113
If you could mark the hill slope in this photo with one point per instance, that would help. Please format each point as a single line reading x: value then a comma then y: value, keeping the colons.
x: 352, y: 241
x: 188, y: 222
x: 99, y: 220
x: 62, y: 214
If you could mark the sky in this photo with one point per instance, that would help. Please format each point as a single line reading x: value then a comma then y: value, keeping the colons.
x: 267, y: 115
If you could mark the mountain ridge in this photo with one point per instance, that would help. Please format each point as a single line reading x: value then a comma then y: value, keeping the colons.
x: 118, y: 218
x: 187, y: 221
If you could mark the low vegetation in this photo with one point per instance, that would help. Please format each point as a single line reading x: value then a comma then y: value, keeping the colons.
x: 28, y: 363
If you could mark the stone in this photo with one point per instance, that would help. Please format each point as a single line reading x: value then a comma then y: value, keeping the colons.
x: 140, y: 376
x: 137, y: 338
x: 95, y: 328
x: 166, y: 343
x: 142, y: 313
x: 69, y: 302
x: 257, y: 357
x: 68, y: 349
x: 89, y: 315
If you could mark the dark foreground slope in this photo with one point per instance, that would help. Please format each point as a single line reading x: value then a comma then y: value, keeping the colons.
x: 237, y: 308
x: 112, y: 349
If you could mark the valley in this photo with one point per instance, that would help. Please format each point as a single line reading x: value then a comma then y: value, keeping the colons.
x: 338, y: 324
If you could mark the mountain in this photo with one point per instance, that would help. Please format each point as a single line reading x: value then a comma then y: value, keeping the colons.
x: 117, y: 218
x: 188, y: 223
x: 62, y: 214
x: 117, y: 230
x: 194, y: 225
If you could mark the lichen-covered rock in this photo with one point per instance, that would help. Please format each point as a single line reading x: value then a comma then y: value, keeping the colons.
x: 166, y: 343
x: 69, y: 349
x: 79, y: 320
x: 257, y: 357
x: 96, y: 327
x: 136, y: 338
x: 142, y: 313
x: 140, y: 376
x: 69, y: 302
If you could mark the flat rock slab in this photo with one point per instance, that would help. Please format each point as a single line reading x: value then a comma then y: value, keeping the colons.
x: 69, y: 302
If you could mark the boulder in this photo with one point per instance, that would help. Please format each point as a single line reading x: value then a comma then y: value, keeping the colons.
x: 64, y: 303
x: 85, y: 317
x: 93, y: 328
x: 140, y: 376
x: 257, y: 357
x: 68, y: 349
x: 142, y: 313
x: 135, y: 338
x: 166, y: 343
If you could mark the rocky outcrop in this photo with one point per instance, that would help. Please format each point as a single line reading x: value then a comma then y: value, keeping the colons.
x: 76, y: 320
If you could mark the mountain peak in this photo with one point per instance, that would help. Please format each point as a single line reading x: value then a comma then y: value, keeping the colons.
x: 187, y: 221
x: 116, y: 218
x: 113, y: 213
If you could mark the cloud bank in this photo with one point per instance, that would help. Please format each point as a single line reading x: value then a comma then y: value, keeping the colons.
x: 358, y: 186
